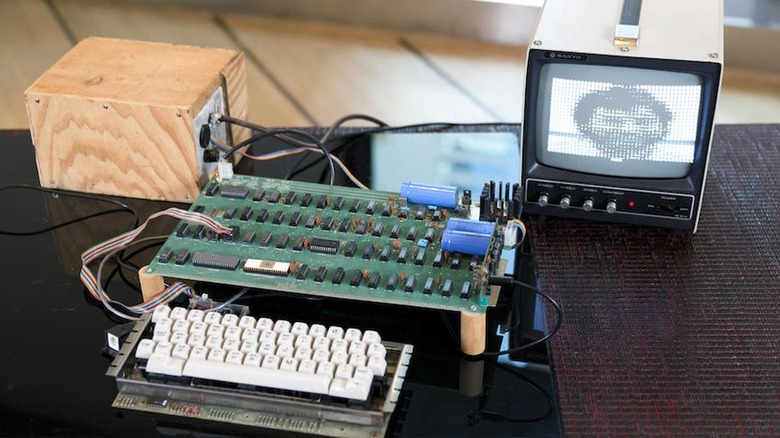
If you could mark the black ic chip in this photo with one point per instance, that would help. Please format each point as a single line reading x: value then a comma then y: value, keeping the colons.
x: 324, y: 246
x: 235, y: 192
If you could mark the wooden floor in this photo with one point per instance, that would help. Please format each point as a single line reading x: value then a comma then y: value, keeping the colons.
x: 303, y: 73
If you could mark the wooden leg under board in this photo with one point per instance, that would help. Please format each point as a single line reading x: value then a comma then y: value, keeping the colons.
x: 472, y: 332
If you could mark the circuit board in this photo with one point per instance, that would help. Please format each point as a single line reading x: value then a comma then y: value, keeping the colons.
x: 330, y: 241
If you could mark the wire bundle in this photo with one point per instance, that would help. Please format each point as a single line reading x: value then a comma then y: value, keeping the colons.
x: 108, y: 248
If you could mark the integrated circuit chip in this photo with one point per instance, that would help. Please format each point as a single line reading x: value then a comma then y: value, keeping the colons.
x: 236, y: 192
x: 266, y: 267
x: 324, y: 246
x: 217, y: 261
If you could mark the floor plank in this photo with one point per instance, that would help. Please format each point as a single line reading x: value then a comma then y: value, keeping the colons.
x: 749, y: 97
x: 339, y: 70
x: 267, y: 104
x: 32, y: 41
x: 493, y: 74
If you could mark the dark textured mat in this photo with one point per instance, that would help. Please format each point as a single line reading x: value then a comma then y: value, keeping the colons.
x: 669, y: 333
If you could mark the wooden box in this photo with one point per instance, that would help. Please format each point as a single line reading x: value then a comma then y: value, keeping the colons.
x: 118, y: 117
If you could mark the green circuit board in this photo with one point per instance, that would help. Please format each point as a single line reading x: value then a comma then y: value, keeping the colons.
x: 325, y: 240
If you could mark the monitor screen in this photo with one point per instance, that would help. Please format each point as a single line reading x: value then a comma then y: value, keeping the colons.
x: 617, y: 121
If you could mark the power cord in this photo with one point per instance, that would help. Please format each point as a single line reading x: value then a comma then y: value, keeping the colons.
x: 499, y: 280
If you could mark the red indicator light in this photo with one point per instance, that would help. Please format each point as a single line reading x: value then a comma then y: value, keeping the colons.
x: 631, y: 204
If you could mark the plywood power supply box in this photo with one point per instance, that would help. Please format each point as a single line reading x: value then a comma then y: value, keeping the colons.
x: 124, y: 118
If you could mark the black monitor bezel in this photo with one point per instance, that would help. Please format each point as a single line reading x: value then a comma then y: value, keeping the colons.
x: 692, y: 183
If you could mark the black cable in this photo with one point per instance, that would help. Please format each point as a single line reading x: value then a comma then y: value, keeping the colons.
x: 506, y: 281
x: 548, y: 398
x: 325, y: 138
x: 354, y: 136
x: 276, y: 133
x: 122, y: 208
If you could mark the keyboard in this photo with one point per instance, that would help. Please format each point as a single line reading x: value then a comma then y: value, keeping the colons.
x: 247, y: 369
x: 263, y: 352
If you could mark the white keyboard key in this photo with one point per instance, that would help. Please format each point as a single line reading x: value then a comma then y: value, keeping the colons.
x: 160, y: 312
x: 233, y: 332
x: 249, y: 347
x: 326, y: 369
x: 217, y: 355
x: 339, y: 357
x: 213, y: 342
x: 196, y: 340
x: 321, y: 356
x: 377, y: 365
x: 357, y: 347
x: 344, y: 371
x: 181, y: 326
x: 353, y: 334
x: 317, y: 330
x: 285, y: 339
x: 215, y: 330
x: 161, y: 337
x: 363, y: 373
x: 178, y: 313
x: 267, y: 348
x: 163, y: 348
x: 300, y: 328
x: 339, y: 345
x: 163, y: 326
x: 303, y: 353
x: 195, y: 315
x: 335, y: 333
x: 267, y: 336
x: 307, y: 367
x: 264, y: 324
x: 289, y: 364
x: 303, y: 341
x: 250, y: 334
x: 231, y: 345
x: 230, y: 320
x: 252, y: 360
x: 349, y: 388
x: 181, y: 351
x: 163, y: 364
x: 282, y: 326
x: 145, y: 349
x: 247, y: 322
x: 178, y: 338
x: 199, y: 328
x: 378, y: 350
x: 371, y: 337
x: 212, y: 318
x: 285, y: 350
x: 271, y: 362
x: 268, y: 377
x: 321, y: 343
x: 357, y: 359
x: 235, y: 357
x: 199, y: 352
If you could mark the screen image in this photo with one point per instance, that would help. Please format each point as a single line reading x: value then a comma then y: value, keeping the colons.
x: 618, y: 121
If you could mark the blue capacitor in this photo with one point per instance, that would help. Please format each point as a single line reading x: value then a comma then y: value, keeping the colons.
x: 429, y: 194
x: 465, y: 242
x: 469, y: 226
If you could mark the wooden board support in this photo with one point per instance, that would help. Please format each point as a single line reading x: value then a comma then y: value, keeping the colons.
x: 472, y: 333
x: 151, y: 284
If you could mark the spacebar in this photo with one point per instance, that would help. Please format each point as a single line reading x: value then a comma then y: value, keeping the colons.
x: 258, y: 376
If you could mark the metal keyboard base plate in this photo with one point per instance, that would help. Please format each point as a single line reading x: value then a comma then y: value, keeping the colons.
x: 252, y: 408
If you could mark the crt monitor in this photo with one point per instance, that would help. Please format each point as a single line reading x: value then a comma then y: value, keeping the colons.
x: 618, y: 117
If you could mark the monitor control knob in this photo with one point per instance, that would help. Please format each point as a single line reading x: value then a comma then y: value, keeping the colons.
x: 587, y: 205
x: 611, y: 207
x: 543, y: 200
x: 565, y: 202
